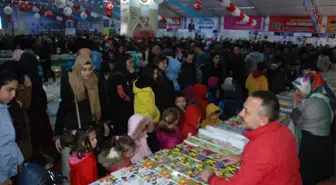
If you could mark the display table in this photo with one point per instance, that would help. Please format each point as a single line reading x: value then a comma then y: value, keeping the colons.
x: 182, y: 164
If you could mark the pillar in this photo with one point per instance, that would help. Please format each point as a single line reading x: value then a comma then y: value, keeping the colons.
x: 139, y: 18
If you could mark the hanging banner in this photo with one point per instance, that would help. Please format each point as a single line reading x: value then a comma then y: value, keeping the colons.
x: 232, y: 23
x: 331, y: 24
x: 175, y: 23
x: 139, y: 18
x: 196, y: 23
x: 291, y: 24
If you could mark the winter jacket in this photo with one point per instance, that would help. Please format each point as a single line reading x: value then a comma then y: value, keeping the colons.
x: 33, y: 174
x: 173, y: 71
x: 120, y: 101
x: 165, y: 91
x: 210, y: 109
x: 202, y: 58
x: 200, y: 94
x: 256, y: 81
x: 187, y: 75
x: 144, y: 102
x: 266, y: 160
x: 83, y: 171
x: 66, y: 117
x: 191, y: 121
x: 10, y: 154
x: 169, y: 138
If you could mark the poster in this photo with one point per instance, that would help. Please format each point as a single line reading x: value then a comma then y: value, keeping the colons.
x: 139, y: 18
x: 331, y: 24
x: 176, y: 23
x: 70, y: 31
x: 210, y: 23
x: 291, y: 24
x: 232, y: 23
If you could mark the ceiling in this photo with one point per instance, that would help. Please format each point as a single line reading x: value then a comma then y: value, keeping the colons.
x: 212, y: 8
x: 326, y: 7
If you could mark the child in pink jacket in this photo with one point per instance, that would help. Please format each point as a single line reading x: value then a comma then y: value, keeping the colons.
x: 168, y: 132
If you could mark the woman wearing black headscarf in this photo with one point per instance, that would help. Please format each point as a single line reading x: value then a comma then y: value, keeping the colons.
x: 40, y: 128
x: 119, y: 89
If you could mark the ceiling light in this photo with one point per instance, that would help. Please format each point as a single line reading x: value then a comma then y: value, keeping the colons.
x: 246, y: 7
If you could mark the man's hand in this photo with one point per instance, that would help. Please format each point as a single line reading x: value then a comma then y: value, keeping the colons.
x: 229, y: 160
x: 7, y: 182
x: 205, y: 174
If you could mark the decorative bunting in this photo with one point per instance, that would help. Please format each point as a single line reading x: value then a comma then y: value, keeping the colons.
x: 233, y: 10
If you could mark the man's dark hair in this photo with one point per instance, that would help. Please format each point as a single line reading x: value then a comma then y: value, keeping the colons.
x: 270, y: 105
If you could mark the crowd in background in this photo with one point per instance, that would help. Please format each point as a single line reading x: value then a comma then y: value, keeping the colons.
x: 126, y: 99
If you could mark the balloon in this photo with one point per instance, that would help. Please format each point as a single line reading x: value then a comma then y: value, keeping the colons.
x: 22, y: 6
x: 231, y: 7
x: 254, y: 23
x: 236, y: 12
x: 83, y: 15
x: 76, y: 6
x: 250, y: 21
x: 198, y: 6
x: 70, y: 4
x: 246, y: 18
x: 29, y: 6
x: 241, y: 16
x: 109, y: 14
x: 67, y: 11
x: 225, y: 3
x: 108, y: 6
x: 59, y: 18
x: 158, y: 1
x: 60, y: 3
x: 8, y: 10
x: 37, y: 16
x: 49, y: 13
x: 35, y: 9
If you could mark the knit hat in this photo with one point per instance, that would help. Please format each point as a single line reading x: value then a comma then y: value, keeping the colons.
x: 213, y: 81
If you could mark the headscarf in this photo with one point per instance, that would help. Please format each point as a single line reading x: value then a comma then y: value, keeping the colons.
x: 312, y: 83
x: 78, y: 85
x: 85, y: 51
x: 136, y: 125
x: 17, y: 54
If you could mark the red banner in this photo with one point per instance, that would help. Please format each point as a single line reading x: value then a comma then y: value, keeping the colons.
x: 175, y: 24
x: 291, y: 24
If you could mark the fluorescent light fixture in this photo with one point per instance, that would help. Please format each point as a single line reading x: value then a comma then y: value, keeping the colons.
x: 246, y: 7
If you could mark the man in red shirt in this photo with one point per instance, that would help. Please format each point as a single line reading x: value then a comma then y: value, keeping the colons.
x: 270, y: 157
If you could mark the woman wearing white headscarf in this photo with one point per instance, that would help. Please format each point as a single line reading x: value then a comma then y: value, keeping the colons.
x: 313, y: 121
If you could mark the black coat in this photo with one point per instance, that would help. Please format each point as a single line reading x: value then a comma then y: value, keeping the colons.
x: 66, y: 117
x: 187, y: 75
x: 164, y: 93
x: 120, y: 101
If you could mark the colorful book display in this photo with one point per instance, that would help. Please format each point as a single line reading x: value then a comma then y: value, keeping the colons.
x: 182, y: 164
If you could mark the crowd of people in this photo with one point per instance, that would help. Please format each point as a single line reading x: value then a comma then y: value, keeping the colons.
x: 143, y: 96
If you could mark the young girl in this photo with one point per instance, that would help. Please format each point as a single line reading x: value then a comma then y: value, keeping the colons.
x: 180, y: 103
x: 83, y: 167
x: 138, y: 127
x: 168, y: 132
x: 117, y: 152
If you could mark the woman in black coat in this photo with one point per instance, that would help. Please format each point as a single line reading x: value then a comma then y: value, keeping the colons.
x: 82, y: 87
x: 120, y: 93
x: 40, y: 128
